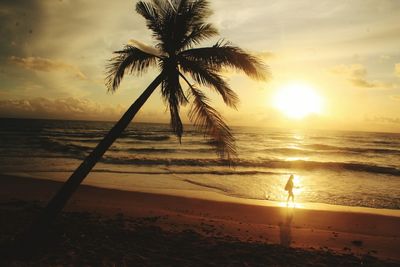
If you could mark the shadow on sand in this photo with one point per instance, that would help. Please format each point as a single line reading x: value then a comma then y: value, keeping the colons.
x: 285, y: 231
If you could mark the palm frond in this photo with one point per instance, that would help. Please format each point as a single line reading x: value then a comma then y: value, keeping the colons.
x: 198, y: 33
x: 164, y: 5
x: 184, y: 24
x: 206, y: 76
x: 192, y: 19
x: 223, y: 55
x: 211, y: 123
x: 198, y: 11
x: 173, y: 95
x: 130, y: 59
x: 151, y: 13
x: 180, y: 5
x: 177, y: 24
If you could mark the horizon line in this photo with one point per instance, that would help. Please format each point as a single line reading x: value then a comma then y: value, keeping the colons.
x: 189, y: 124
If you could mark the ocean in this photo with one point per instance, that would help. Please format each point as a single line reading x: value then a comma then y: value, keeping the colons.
x: 333, y: 167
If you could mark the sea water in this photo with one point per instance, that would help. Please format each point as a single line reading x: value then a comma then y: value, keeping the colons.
x: 333, y: 167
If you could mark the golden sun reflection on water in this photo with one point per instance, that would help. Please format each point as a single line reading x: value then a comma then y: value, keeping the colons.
x: 290, y: 205
x: 297, y: 186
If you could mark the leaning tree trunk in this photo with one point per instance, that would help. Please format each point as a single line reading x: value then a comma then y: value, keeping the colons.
x: 38, y: 229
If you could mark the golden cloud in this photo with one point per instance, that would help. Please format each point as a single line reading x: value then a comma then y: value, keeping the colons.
x: 397, y: 69
x: 47, y: 65
x: 144, y: 47
x: 357, y: 75
x: 384, y: 119
x: 65, y: 108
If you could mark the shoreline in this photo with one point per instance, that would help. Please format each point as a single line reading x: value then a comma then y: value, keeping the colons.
x: 211, y: 195
x: 341, y: 229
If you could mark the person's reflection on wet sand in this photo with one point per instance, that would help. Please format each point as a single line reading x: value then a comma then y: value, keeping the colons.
x: 285, y: 229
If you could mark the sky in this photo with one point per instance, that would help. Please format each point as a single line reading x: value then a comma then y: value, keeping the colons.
x: 53, y: 56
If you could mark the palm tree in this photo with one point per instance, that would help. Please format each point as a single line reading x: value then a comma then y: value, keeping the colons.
x: 177, y: 26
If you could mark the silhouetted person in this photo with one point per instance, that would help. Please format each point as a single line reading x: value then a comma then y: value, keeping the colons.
x: 289, y: 187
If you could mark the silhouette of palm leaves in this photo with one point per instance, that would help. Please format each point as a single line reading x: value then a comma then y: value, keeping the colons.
x: 178, y: 26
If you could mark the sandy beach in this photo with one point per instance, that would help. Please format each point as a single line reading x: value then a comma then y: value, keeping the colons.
x: 175, y: 132
x: 339, y: 230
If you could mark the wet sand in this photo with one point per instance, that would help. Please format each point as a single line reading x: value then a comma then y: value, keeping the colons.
x: 340, y: 230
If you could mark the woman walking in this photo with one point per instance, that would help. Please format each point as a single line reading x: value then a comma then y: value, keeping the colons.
x: 289, y: 187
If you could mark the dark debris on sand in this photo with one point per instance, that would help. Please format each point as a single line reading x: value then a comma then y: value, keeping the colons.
x: 83, y: 239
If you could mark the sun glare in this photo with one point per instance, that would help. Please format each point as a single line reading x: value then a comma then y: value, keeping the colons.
x: 297, y: 100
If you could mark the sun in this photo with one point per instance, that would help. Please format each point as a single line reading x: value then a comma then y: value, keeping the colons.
x: 297, y: 100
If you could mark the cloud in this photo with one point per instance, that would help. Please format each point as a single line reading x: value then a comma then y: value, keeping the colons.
x: 384, y: 119
x: 64, y: 108
x: 397, y: 69
x: 144, y: 47
x: 47, y: 65
x: 357, y: 75
x: 395, y: 97
x: 354, y: 69
x: 384, y: 57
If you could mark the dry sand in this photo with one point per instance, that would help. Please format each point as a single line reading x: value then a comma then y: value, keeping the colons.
x: 341, y: 229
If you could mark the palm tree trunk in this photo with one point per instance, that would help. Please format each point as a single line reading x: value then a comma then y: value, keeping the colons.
x: 38, y: 229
